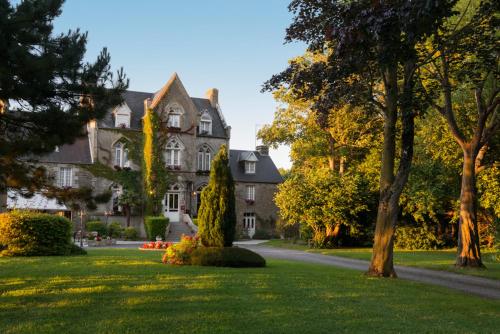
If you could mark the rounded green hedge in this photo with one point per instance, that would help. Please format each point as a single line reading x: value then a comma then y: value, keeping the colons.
x: 96, y: 226
x: 226, y: 257
x: 155, y: 226
x: 130, y: 233
x: 25, y: 233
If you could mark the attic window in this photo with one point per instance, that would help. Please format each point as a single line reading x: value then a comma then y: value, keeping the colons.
x: 249, y: 167
x: 122, y: 120
x: 205, y: 124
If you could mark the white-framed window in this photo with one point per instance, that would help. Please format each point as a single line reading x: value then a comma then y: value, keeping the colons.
x: 249, y: 167
x: 121, y: 155
x: 204, y: 158
x: 250, y: 195
x: 65, y: 177
x: 122, y: 120
x: 249, y: 220
x: 173, y: 155
x: 205, y: 124
x: 174, y: 120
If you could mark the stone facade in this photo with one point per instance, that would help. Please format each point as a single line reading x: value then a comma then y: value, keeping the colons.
x: 262, y: 208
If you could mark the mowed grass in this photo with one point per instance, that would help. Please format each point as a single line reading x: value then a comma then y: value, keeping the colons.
x: 126, y: 291
x: 437, y: 260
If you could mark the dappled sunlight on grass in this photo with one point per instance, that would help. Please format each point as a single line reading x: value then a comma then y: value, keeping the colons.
x: 104, y: 293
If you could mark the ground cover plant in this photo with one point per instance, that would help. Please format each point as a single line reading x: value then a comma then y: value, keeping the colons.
x: 128, y: 291
x: 431, y: 259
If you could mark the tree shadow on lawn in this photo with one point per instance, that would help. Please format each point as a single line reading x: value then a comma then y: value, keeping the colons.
x: 133, y: 292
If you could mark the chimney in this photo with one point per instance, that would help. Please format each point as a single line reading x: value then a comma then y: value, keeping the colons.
x: 262, y: 149
x: 213, y: 95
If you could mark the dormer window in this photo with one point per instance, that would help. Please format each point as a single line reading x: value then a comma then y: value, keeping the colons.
x: 121, y: 155
x: 249, y: 160
x: 249, y: 167
x: 205, y: 124
x: 122, y: 116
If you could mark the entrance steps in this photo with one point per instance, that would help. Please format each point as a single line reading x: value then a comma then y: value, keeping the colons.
x: 177, y: 229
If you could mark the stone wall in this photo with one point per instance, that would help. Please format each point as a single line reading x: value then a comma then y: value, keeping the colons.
x: 265, y: 210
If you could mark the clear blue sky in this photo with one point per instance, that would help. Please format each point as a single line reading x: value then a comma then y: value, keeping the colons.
x: 232, y: 45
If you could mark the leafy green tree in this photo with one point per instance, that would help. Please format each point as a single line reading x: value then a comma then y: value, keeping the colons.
x: 324, y: 201
x: 217, y: 215
x: 461, y: 81
x: 47, y: 92
x: 372, y: 62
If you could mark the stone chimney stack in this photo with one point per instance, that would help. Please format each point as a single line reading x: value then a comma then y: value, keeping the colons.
x: 262, y: 149
x: 213, y: 95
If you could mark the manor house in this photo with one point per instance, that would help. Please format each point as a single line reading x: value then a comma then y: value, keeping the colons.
x: 196, y: 130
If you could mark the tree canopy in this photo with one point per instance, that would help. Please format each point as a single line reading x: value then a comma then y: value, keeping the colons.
x: 47, y: 92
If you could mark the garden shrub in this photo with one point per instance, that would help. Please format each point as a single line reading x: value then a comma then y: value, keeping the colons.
x: 130, y: 233
x: 226, y: 257
x: 155, y: 226
x: 96, y: 226
x: 114, y: 230
x: 416, y: 237
x: 181, y: 253
x: 26, y: 233
x: 76, y: 250
x: 217, y: 214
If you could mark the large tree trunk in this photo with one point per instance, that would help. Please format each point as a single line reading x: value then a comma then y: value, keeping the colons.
x: 382, y: 255
x: 391, y: 186
x: 468, y: 251
x: 382, y: 263
x: 3, y: 201
x: 127, y: 213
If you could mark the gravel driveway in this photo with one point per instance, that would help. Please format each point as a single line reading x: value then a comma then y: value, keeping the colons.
x: 479, y: 286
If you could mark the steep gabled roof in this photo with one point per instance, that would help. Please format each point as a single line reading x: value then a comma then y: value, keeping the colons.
x: 265, y: 169
x: 158, y: 96
x: 135, y: 101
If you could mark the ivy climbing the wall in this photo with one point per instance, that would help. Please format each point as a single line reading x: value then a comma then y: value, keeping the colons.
x: 155, y: 175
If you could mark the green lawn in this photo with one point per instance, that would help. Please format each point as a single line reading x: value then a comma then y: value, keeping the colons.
x: 438, y: 260
x: 126, y: 291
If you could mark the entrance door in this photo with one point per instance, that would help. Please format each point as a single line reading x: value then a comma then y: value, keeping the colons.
x: 172, y: 206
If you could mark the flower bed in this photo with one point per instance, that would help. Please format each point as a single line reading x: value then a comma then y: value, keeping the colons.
x: 155, y: 245
x: 180, y: 253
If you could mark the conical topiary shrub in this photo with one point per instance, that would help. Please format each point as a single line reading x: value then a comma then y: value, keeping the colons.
x: 217, y: 215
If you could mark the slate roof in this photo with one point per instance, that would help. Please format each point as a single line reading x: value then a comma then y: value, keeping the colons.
x: 265, y: 169
x: 76, y: 153
x: 135, y: 101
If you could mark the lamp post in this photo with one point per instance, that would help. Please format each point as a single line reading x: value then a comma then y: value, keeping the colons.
x: 107, y: 214
x: 81, y: 228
